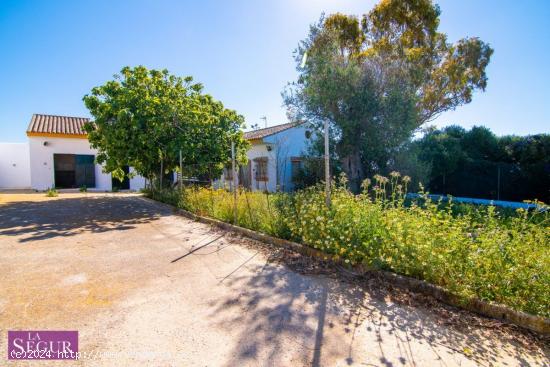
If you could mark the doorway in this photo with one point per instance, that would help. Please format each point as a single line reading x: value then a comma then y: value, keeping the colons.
x: 125, y: 183
x: 73, y: 170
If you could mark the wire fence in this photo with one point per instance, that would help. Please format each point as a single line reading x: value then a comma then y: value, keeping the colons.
x: 258, y: 174
x: 495, y: 181
x: 489, y: 181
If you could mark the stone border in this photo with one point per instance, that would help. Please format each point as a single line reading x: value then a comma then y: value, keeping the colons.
x: 538, y: 324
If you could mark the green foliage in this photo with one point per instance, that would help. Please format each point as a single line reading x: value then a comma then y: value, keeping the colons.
x: 467, y: 163
x: 471, y: 251
x: 144, y: 118
x: 377, y: 80
x: 83, y: 188
x: 52, y: 192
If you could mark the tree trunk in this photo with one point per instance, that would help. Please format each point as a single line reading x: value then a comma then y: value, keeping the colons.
x: 353, y: 168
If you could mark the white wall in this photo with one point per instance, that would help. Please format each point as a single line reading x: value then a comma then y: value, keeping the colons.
x: 258, y: 151
x: 42, y: 168
x: 14, y: 166
x: 137, y: 182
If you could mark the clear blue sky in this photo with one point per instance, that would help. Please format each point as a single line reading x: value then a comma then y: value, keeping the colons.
x: 53, y: 52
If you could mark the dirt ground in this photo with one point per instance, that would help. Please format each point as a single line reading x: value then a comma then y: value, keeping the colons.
x: 146, y: 287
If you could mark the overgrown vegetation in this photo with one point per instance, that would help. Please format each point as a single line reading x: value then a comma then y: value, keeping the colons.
x: 471, y: 251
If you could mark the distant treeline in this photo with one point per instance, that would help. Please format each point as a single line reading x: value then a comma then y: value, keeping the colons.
x: 477, y: 163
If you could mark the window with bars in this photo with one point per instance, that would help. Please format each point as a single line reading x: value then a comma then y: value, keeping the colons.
x: 261, y: 169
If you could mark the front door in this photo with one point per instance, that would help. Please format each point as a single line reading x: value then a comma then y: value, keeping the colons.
x: 84, y: 170
x: 64, y: 170
x: 245, y: 176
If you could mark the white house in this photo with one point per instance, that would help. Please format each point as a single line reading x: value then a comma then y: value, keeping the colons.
x: 275, y: 156
x: 60, y: 156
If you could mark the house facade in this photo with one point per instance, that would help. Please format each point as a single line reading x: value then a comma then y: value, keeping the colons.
x: 59, y: 155
x: 276, y: 154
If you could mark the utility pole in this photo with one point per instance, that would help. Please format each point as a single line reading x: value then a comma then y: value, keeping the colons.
x: 327, y: 166
x: 234, y: 177
x: 181, y: 172
x: 265, y: 120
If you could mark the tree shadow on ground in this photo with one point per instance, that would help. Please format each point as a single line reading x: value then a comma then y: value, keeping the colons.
x: 284, y: 307
x: 39, y: 220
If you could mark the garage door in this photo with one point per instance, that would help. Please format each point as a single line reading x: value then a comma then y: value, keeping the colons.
x: 74, y: 170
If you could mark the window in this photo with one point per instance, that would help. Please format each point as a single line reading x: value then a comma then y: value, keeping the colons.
x: 261, y: 169
x: 296, y: 166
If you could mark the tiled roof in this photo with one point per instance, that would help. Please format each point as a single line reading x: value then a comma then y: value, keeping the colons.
x: 62, y: 125
x: 262, y: 133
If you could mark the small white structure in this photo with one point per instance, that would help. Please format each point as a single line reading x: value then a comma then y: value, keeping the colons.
x: 14, y: 166
x: 275, y: 157
x: 60, y: 155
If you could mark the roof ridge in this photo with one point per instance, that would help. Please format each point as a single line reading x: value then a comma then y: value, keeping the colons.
x: 270, y: 127
x: 52, y: 115
x: 271, y: 130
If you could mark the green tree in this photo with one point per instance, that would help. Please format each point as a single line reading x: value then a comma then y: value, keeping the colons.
x: 477, y: 163
x: 143, y: 118
x: 380, y: 78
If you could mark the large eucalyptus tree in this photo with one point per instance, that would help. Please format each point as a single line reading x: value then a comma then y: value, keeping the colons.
x: 379, y: 78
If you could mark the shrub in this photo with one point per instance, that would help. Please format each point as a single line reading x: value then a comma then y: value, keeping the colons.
x: 51, y: 192
x: 471, y: 251
x: 83, y: 188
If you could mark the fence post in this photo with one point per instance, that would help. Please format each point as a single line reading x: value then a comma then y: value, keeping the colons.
x: 327, y: 166
x: 498, y: 181
x: 181, y: 172
x: 234, y: 177
x: 161, y: 173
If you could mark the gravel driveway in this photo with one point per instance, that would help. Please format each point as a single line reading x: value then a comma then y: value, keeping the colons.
x: 146, y: 287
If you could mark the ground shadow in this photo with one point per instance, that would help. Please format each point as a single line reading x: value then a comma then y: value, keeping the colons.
x: 279, y: 307
x: 64, y: 217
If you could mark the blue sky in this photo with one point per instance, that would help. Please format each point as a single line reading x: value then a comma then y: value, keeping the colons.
x: 54, y: 52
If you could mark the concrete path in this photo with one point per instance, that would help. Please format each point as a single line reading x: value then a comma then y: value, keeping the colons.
x: 145, y: 287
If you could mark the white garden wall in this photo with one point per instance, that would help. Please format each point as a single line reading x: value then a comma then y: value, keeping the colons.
x: 14, y: 166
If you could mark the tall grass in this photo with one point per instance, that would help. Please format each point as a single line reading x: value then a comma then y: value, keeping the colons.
x: 473, y: 252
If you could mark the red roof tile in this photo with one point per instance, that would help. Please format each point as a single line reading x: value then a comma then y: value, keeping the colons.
x: 262, y: 133
x: 62, y: 125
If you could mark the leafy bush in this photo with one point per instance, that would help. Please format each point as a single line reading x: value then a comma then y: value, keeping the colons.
x: 83, y: 188
x: 471, y: 251
x: 51, y: 192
